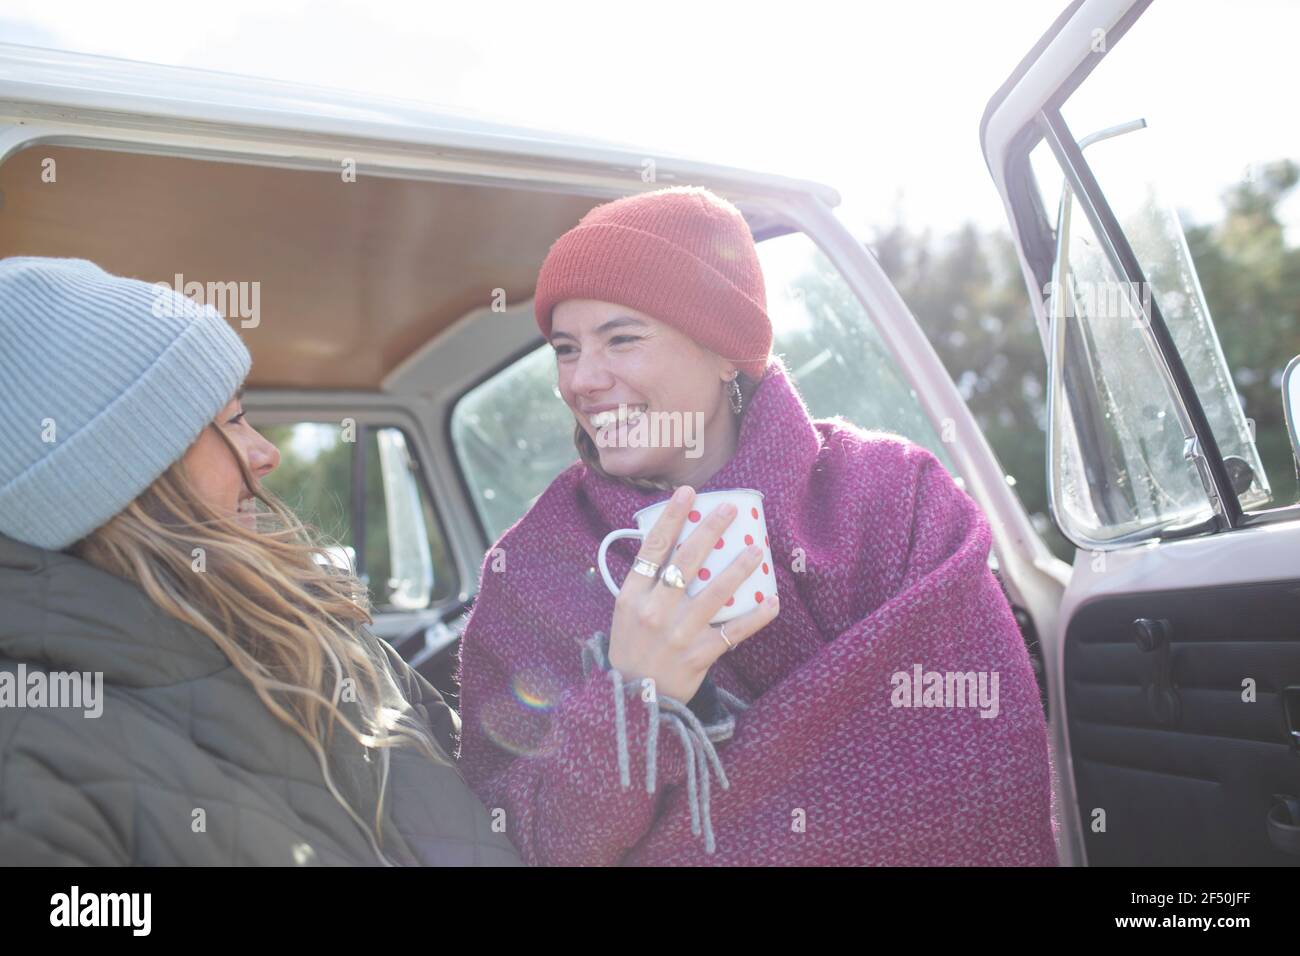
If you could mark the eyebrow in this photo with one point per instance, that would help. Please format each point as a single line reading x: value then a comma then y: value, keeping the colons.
x: 604, y: 327
x: 239, y: 395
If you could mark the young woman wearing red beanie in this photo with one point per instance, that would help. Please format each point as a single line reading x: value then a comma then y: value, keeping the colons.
x: 628, y: 730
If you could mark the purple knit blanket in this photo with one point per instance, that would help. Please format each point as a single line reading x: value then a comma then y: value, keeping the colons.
x: 889, y: 715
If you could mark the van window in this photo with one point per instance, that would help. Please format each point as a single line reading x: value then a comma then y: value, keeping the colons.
x: 361, y: 486
x: 1207, y: 197
x: 1118, y: 458
x: 513, y: 434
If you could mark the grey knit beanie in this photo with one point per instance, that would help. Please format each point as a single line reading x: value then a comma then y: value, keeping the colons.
x: 104, y: 383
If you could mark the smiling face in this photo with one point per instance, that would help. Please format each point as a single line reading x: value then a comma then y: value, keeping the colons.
x: 215, y: 473
x: 609, y: 355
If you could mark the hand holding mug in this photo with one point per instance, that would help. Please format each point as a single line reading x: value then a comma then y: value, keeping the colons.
x: 660, y: 631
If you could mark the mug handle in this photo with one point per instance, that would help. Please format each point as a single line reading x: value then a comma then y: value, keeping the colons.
x: 604, y: 546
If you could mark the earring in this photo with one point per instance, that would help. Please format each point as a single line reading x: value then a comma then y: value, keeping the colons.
x: 734, y: 394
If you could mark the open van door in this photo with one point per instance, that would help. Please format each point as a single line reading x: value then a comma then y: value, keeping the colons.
x: 1176, y: 659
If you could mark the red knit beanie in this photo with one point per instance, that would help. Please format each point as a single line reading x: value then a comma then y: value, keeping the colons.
x: 682, y: 255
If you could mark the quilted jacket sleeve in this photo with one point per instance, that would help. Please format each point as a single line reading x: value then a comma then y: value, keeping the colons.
x: 425, y: 699
x: 46, y: 820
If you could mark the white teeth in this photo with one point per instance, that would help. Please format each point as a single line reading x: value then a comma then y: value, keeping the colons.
x: 629, y: 414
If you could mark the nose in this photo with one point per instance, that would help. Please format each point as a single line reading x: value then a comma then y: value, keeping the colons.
x: 263, y: 457
x: 588, y: 373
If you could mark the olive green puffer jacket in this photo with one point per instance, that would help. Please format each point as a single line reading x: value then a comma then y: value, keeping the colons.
x: 185, y: 765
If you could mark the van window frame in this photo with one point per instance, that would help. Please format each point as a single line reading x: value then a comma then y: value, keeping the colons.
x: 264, y: 410
x: 1038, y: 242
x: 469, y: 494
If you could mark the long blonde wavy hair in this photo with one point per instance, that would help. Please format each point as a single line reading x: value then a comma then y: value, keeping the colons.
x: 273, y: 601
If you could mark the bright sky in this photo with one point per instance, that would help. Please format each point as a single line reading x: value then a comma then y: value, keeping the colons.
x: 880, y: 99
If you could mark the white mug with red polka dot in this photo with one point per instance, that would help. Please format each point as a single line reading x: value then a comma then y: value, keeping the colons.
x: 748, y: 527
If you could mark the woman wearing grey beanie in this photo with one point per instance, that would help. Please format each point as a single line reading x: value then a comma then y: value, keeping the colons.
x: 183, y: 679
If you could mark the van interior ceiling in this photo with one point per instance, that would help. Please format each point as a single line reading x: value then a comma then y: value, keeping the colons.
x: 353, y: 276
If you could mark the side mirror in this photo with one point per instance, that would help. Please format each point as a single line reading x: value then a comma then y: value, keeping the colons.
x: 1291, y: 403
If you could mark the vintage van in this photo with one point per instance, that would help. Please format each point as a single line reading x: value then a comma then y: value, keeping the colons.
x: 380, y: 260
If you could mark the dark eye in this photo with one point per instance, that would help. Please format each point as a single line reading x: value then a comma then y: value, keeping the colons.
x: 563, y: 349
x: 624, y: 339
x: 237, y: 420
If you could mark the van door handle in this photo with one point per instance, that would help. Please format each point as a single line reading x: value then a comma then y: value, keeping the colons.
x: 1152, y: 637
x: 1284, y: 823
x: 1291, y: 709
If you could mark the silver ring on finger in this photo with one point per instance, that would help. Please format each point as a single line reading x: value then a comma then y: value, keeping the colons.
x: 722, y: 632
x: 673, y: 577
x: 647, y: 568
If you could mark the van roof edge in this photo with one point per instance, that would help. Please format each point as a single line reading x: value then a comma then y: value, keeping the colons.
x: 40, y: 76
